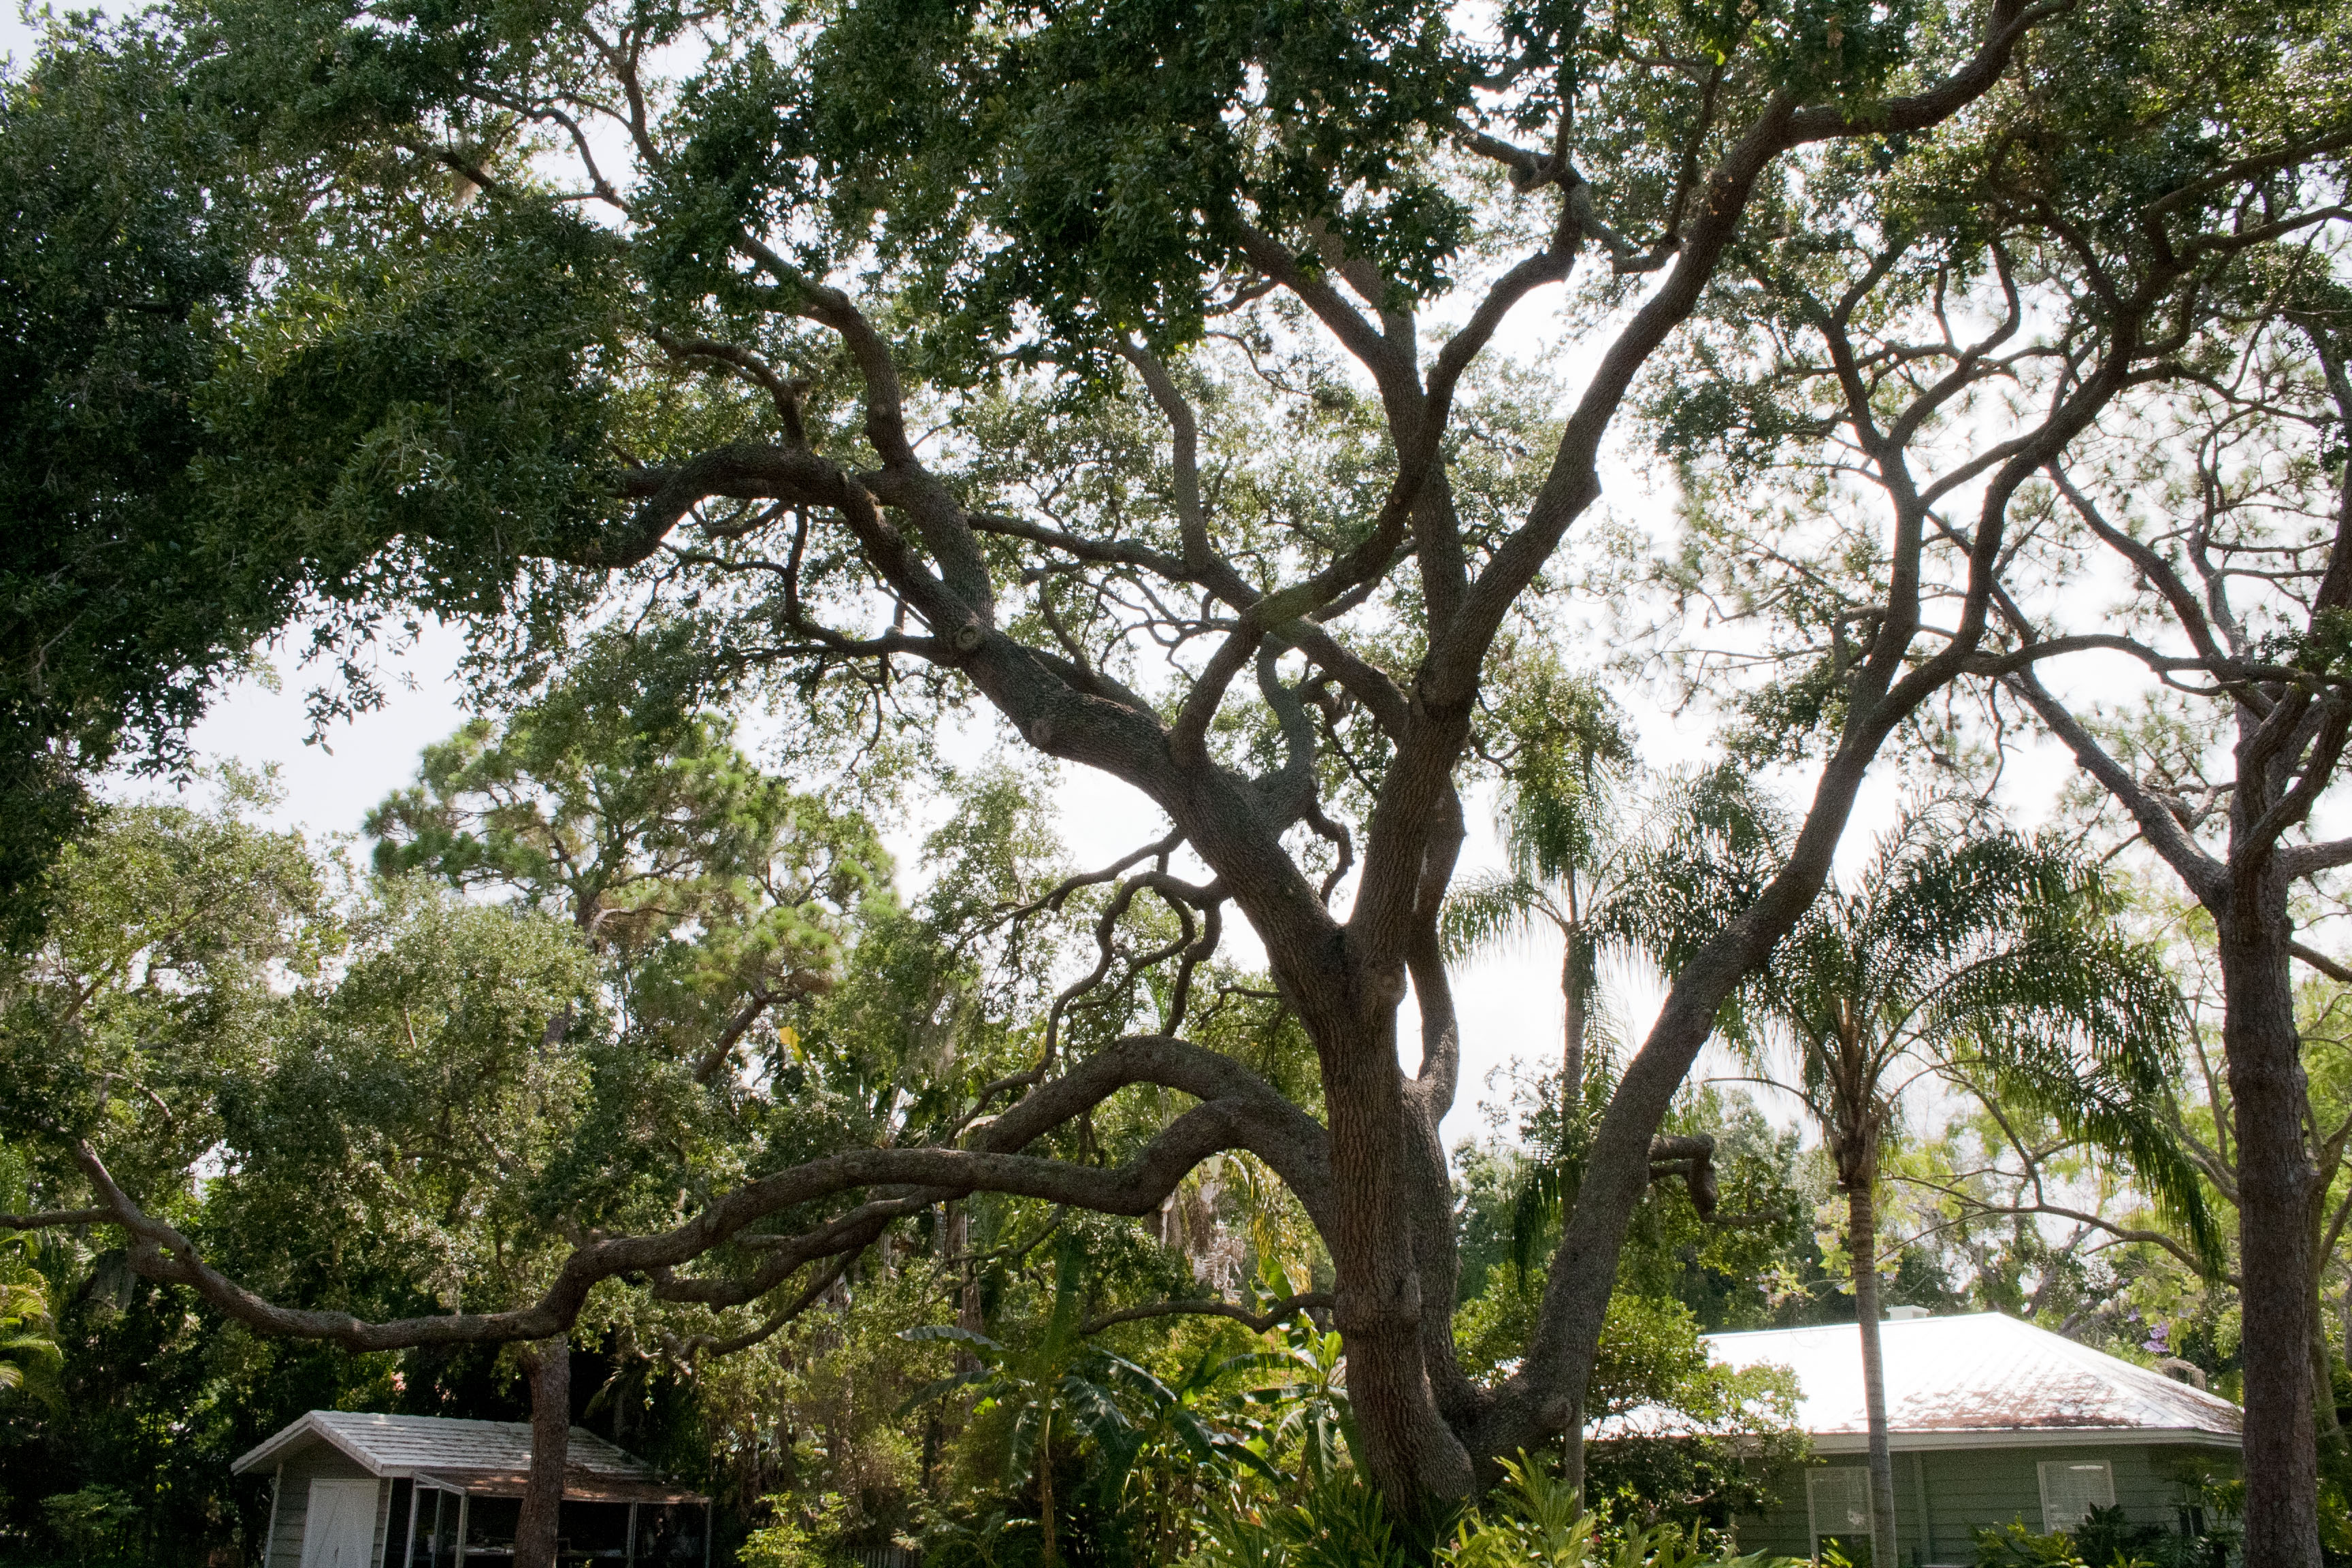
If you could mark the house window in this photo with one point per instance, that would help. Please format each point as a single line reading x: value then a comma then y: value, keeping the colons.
x: 1839, y: 1501
x: 2071, y: 1489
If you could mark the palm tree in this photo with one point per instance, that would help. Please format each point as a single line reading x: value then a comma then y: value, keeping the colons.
x: 1581, y: 858
x: 1062, y: 1388
x: 26, y: 1351
x: 1995, y: 964
x: 1045, y: 1387
x: 1568, y: 841
x: 28, y: 1355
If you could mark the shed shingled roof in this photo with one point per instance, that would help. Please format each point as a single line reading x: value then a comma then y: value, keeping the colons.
x: 1977, y: 1379
x: 475, y: 1455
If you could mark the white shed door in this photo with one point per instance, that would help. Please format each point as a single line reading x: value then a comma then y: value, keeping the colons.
x: 339, y: 1527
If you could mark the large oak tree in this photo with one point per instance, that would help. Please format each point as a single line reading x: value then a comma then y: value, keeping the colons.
x: 1125, y: 369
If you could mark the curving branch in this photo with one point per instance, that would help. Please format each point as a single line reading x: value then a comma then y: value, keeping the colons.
x: 1278, y: 1313
x: 1690, y: 1156
x: 1239, y: 1111
x: 699, y: 1346
x: 2332, y: 968
x: 2202, y: 871
x: 55, y: 1219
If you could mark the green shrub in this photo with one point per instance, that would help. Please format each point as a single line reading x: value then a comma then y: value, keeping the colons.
x: 798, y: 1537
x: 2106, y: 1539
x: 89, y: 1524
x: 1532, y: 1521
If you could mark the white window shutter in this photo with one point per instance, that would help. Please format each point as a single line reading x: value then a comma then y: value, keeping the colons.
x: 2071, y: 1489
x: 1839, y: 1501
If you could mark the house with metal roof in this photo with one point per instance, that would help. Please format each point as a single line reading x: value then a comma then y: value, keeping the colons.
x: 358, y: 1490
x: 1990, y: 1420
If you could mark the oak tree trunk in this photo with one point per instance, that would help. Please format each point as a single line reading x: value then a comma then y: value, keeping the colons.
x: 2269, y: 1099
x: 1415, y: 1458
x: 547, y: 1367
x: 1862, y: 1245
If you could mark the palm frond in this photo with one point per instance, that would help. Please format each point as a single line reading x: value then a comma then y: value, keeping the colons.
x: 1554, y: 826
x: 1959, y: 943
x: 1494, y: 911
x: 1706, y: 864
x: 2083, y: 1027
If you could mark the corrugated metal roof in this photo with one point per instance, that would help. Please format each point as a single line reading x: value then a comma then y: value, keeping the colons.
x: 1983, y: 1374
x: 460, y: 1451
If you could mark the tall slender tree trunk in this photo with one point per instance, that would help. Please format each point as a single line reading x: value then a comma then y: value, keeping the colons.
x: 1048, y: 1551
x: 2326, y: 1422
x: 2334, y: 1440
x: 1862, y: 1245
x: 1571, y: 1452
x: 956, y: 1241
x: 547, y: 1367
x: 1572, y: 1029
x: 2274, y: 1180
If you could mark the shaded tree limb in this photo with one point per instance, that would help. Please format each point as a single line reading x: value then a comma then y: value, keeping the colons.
x: 1277, y: 1313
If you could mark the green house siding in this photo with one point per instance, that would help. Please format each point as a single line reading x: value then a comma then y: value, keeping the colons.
x: 1966, y: 1490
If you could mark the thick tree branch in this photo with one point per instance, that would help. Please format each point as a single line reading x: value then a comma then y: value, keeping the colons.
x: 1258, y: 1119
x: 55, y: 1219
x: 711, y: 1347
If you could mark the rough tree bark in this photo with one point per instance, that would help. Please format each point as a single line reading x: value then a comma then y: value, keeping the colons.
x: 2272, y: 1105
x: 547, y: 1367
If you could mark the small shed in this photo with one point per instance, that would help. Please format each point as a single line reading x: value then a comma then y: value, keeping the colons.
x: 1990, y: 1420
x: 358, y: 1490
